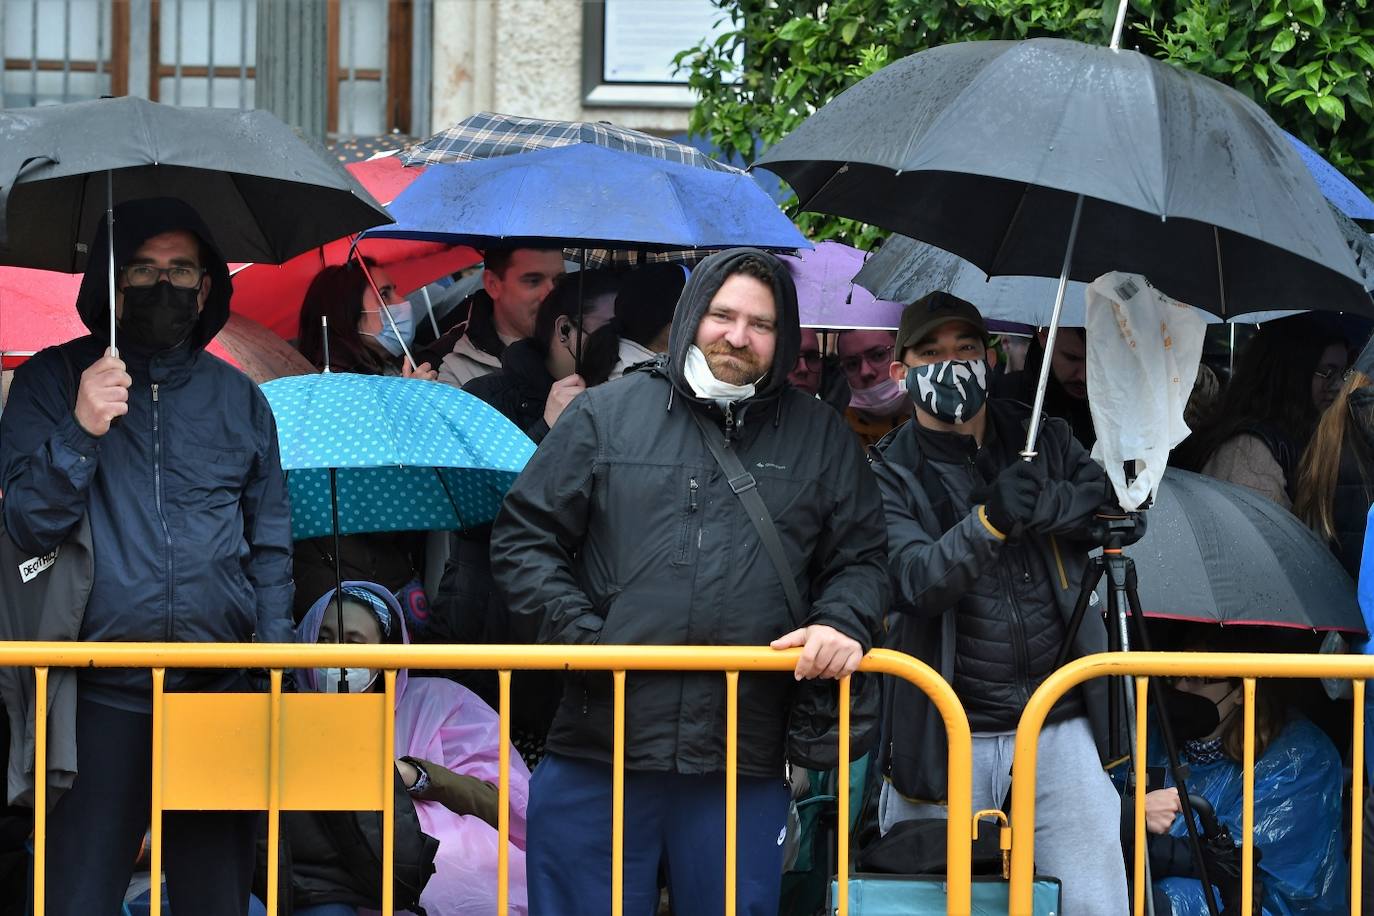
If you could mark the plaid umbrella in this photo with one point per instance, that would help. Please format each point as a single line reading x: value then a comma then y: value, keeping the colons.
x: 487, y: 135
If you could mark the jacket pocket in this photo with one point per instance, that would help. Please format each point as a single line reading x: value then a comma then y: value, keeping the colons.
x: 687, y: 533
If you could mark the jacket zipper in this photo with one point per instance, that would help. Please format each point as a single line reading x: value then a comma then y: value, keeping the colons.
x: 1018, y: 633
x: 161, y: 516
x: 729, y: 423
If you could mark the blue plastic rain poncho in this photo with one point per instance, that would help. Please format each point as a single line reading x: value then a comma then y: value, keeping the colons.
x: 1297, y: 824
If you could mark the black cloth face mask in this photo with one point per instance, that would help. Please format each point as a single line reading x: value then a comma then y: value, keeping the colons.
x: 159, y: 317
x: 1191, y: 715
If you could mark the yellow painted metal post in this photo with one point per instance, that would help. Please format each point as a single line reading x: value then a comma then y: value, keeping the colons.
x: 1357, y: 796
x: 1247, y: 860
x: 389, y: 797
x: 618, y: 798
x: 274, y: 777
x: 731, y: 761
x: 40, y: 789
x: 1142, y: 685
x: 842, y: 794
x: 503, y: 802
x: 155, y: 865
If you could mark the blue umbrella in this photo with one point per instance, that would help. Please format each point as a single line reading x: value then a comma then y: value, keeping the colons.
x: 391, y: 454
x: 1335, y: 187
x: 589, y: 196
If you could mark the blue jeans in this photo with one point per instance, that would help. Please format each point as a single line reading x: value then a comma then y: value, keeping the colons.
x: 256, y: 908
x: 670, y: 818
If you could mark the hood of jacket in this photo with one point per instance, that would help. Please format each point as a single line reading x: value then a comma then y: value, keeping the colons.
x: 701, y: 288
x: 308, y: 631
x: 136, y: 221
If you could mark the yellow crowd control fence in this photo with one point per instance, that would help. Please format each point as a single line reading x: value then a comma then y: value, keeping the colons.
x: 254, y: 751
x: 1146, y: 665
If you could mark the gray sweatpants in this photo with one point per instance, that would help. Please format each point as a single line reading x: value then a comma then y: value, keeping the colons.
x: 1077, y: 813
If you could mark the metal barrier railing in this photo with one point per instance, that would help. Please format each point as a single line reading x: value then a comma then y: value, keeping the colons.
x: 198, y: 727
x: 1144, y: 665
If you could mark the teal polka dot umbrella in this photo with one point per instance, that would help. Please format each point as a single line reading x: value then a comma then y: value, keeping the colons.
x: 391, y: 454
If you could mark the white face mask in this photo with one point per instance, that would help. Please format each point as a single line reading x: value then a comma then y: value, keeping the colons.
x: 358, y: 679
x: 706, y: 385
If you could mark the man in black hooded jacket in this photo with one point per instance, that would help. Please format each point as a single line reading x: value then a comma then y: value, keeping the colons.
x: 172, y: 456
x: 986, y: 553
x: 623, y: 530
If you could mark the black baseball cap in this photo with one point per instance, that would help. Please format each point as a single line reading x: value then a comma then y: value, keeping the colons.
x: 932, y: 310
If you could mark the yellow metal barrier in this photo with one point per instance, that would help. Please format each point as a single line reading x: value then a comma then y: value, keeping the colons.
x: 266, y: 737
x: 1144, y: 665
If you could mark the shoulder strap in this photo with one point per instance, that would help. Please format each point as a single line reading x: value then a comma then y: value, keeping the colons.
x: 746, y: 488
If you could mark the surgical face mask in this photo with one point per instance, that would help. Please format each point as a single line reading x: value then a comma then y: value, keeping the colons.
x: 952, y: 391
x: 884, y: 398
x: 357, y: 679
x: 706, y: 385
x: 159, y: 317
x: 405, y: 325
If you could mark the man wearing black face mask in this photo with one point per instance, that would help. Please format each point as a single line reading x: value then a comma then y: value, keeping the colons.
x: 985, y: 554
x: 172, y: 456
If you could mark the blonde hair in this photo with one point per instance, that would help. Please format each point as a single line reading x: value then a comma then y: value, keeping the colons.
x: 1321, y: 462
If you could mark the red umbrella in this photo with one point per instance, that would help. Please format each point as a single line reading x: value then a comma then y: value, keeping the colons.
x: 38, y: 309
x: 272, y: 294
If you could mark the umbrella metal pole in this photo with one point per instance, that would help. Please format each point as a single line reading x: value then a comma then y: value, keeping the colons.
x: 429, y: 306
x: 324, y: 325
x: 1034, y: 430
x: 1119, y: 26
x: 581, y: 287
x: 109, y: 239
x: 338, y: 574
x: 405, y: 350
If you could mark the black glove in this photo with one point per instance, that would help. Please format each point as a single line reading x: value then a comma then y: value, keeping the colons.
x: 1011, y: 498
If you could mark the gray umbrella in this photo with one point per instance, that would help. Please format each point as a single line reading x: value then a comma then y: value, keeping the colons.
x: 1218, y: 552
x: 264, y: 192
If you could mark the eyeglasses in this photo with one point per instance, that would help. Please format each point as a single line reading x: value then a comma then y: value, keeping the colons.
x: 875, y: 356
x: 1332, y: 375
x: 811, y: 359
x: 145, y: 275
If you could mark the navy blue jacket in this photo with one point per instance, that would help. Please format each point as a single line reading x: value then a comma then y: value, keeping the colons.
x: 190, y: 522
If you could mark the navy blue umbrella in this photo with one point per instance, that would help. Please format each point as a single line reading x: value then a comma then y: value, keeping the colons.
x: 586, y: 196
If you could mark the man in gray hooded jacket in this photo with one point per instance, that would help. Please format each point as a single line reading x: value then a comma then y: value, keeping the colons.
x: 623, y: 530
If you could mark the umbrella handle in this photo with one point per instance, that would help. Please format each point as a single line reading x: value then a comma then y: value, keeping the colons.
x: 1034, y: 429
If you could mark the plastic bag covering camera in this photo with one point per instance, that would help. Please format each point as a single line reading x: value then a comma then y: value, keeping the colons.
x: 1297, y: 824
x: 1143, y: 354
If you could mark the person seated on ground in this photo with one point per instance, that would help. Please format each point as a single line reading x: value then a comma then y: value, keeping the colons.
x: 1336, y: 476
x: 361, y: 339
x: 514, y: 282
x: 1066, y: 393
x: 1300, y: 863
x: 877, y: 403
x: 1286, y: 376
x: 448, y: 753
x: 644, y: 313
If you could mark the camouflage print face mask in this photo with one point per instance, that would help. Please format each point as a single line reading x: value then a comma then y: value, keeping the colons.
x: 952, y: 391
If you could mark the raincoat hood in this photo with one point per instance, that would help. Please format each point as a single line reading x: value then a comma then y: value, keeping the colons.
x: 136, y: 221
x: 705, y: 281
x: 308, y: 630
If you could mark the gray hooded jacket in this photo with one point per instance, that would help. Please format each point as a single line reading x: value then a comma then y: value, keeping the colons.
x: 623, y: 530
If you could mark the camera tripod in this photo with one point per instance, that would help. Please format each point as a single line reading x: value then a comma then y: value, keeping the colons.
x: 1114, y: 530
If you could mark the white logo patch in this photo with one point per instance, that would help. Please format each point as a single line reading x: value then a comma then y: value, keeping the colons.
x: 30, y: 569
x: 782, y: 835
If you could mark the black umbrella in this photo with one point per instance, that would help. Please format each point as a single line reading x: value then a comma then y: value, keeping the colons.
x: 265, y: 193
x: 1049, y: 157
x: 1217, y: 552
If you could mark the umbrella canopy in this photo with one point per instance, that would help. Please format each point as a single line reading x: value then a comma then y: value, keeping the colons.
x: 987, y: 148
x: 1338, y: 189
x: 904, y: 270
x: 407, y: 455
x: 272, y: 294
x: 266, y: 194
x: 827, y: 296
x: 591, y: 196
x: 1217, y: 552
x: 488, y: 135
x: 260, y: 354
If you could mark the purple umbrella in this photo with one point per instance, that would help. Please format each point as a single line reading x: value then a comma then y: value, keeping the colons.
x: 827, y: 297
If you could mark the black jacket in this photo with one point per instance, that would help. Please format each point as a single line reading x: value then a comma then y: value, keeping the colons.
x: 989, y: 612
x: 1020, y: 386
x: 623, y: 530
x: 1354, y: 481
x: 187, y: 502
x: 520, y: 389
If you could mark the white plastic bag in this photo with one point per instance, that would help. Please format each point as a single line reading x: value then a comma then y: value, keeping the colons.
x: 1143, y: 354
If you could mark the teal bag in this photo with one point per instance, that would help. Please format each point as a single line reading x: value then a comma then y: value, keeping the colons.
x: 913, y: 895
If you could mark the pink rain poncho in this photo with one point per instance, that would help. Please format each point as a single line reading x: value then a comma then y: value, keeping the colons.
x: 443, y: 722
